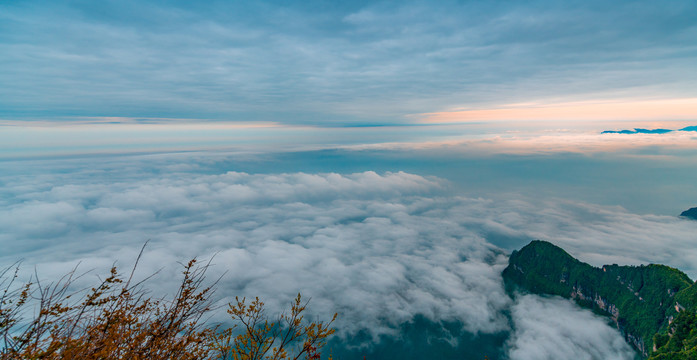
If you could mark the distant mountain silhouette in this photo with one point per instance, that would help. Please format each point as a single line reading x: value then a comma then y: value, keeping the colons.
x: 649, y: 131
x: 638, y: 131
x: 691, y: 213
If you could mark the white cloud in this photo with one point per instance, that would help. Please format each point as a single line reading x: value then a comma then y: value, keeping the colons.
x: 377, y: 248
x: 595, y: 234
x: 556, y: 329
x: 356, y: 243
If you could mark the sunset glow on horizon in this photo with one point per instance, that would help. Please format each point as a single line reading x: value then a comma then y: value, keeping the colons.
x: 636, y: 110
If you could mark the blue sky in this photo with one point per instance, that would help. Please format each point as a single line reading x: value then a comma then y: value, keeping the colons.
x: 326, y: 64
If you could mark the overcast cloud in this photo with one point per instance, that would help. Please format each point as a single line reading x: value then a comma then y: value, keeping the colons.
x: 324, y: 63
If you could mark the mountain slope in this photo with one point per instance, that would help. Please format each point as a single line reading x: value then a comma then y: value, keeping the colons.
x: 642, y: 300
x: 690, y: 213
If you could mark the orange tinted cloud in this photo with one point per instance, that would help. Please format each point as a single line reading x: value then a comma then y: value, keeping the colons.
x: 552, y: 143
x: 667, y: 109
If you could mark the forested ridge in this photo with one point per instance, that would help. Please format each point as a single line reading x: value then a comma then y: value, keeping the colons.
x: 652, y: 305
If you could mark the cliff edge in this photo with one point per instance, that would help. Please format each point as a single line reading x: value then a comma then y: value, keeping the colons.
x: 643, y: 301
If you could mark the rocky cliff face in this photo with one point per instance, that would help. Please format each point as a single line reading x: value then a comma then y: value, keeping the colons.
x: 613, y: 312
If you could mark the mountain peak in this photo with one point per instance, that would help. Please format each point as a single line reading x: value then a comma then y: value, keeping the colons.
x: 641, y: 300
x: 690, y: 213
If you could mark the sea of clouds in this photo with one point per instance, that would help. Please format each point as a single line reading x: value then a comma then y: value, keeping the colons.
x: 376, y: 248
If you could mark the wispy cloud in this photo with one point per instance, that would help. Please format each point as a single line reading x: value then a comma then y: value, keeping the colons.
x: 638, y: 110
x: 116, y: 135
x: 314, y: 63
x: 526, y: 141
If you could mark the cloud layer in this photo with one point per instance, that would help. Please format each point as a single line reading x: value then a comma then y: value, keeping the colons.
x: 357, y: 244
x: 377, y: 248
x: 318, y: 62
x: 553, y: 328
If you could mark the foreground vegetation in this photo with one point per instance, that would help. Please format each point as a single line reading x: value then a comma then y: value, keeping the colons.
x: 117, y: 319
x: 654, y: 306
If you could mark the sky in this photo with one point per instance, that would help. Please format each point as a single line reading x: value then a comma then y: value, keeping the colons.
x: 382, y: 158
x: 359, y: 63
